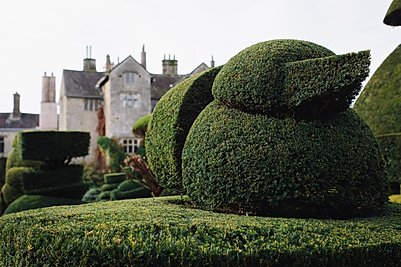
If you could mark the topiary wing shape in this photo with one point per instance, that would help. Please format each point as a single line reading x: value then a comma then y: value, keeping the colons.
x: 325, y: 85
x: 393, y: 15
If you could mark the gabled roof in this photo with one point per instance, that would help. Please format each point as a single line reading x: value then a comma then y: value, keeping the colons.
x: 162, y: 83
x: 200, y: 68
x: 81, y: 83
x: 125, y: 61
x: 26, y: 121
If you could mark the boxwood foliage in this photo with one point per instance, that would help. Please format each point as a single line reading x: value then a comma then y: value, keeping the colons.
x: 157, y: 232
x: 391, y: 148
x: 3, y: 162
x: 10, y: 193
x: 393, y: 15
x: 170, y: 123
x: 113, y: 178
x: 28, y: 202
x: 53, y: 146
x: 141, y: 125
x: 284, y: 167
x: 253, y: 80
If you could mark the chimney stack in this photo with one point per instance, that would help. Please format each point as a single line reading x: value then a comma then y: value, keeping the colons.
x: 89, y: 62
x: 143, y: 57
x: 212, y: 63
x: 170, y: 66
x: 16, y: 110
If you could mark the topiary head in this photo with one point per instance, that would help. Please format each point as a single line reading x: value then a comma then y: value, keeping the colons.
x: 290, y: 77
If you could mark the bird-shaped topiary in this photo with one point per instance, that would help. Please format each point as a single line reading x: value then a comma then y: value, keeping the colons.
x: 280, y: 138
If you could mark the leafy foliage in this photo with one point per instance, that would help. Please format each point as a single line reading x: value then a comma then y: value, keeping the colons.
x: 283, y: 166
x: 3, y: 162
x: 159, y: 232
x: 393, y: 15
x: 141, y: 125
x: 113, y: 151
x: 391, y: 148
x: 170, y: 123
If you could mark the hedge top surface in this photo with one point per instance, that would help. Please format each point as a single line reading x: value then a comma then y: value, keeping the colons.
x: 274, y: 76
x: 393, y: 15
x: 53, y: 146
x: 140, y: 126
x: 380, y: 101
x: 157, y: 232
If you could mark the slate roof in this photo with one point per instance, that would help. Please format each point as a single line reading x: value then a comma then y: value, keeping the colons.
x: 161, y: 84
x: 27, y: 121
x: 81, y: 83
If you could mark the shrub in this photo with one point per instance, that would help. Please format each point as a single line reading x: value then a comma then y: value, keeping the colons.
x: 49, y: 177
x: 391, y: 148
x: 113, y: 178
x: 2, y: 203
x: 109, y: 187
x: 134, y: 193
x: 14, y: 160
x: 129, y: 185
x: 10, y: 193
x: 28, y: 202
x: 283, y: 167
x: 53, y: 146
x: 91, y: 195
x: 15, y: 176
x: 113, y: 152
x: 73, y: 191
x: 160, y: 232
x: 393, y: 15
x: 3, y: 162
x: 170, y: 123
x: 141, y: 125
x: 104, y: 195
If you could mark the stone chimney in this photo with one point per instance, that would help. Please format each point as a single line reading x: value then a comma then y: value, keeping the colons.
x: 212, y: 63
x: 89, y: 62
x: 143, y: 57
x: 109, y: 66
x: 48, y: 106
x: 16, y: 111
x: 170, y: 66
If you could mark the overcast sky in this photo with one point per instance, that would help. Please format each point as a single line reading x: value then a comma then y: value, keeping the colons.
x: 51, y: 35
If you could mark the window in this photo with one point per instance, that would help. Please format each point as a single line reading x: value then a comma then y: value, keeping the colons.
x: 91, y: 104
x: 129, y: 77
x: 1, y: 144
x: 130, y: 145
x: 130, y: 100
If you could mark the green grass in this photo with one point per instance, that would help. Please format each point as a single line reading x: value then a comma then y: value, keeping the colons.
x: 161, y: 232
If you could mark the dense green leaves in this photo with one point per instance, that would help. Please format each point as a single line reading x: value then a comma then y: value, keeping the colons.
x: 157, y: 232
x: 170, y: 123
x: 236, y: 161
x: 390, y: 145
x: 393, y: 15
x: 141, y: 125
x: 113, y: 152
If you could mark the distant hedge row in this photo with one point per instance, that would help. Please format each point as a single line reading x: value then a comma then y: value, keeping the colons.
x: 157, y: 232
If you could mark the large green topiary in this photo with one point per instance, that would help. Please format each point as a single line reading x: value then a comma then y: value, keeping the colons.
x: 280, y: 137
x: 380, y: 106
x: 170, y: 123
x: 393, y: 15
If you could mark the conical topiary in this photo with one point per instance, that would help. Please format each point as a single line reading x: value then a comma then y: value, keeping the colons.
x: 380, y: 106
x: 393, y: 15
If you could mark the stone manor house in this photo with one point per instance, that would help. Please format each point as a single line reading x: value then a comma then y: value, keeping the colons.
x: 118, y: 97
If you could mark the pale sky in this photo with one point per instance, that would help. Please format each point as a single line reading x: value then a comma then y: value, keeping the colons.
x: 51, y: 35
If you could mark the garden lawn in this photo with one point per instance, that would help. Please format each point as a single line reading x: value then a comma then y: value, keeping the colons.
x: 164, y: 232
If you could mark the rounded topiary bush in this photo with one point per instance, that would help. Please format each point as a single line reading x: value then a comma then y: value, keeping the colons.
x: 280, y: 139
x: 171, y: 120
x: 283, y: 167
x: 253, y: 80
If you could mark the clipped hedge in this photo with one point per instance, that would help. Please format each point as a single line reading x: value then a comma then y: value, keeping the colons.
x: 2, y: 203
x: 109, y: 187
x: 10, y: 193
x: 284, y: 167
x: 113, y: 178
x: 28, y: 202
x: 15, y: 175
x: 3, y: 162
x: 157, y: 232
x: 53, y: 146
x: 129, y: 185
x: 170, y: 123
x: 91, y: 195
x: 134, y: 193
x: 73, y: 191
x: 391, y: 148
x: 253, y: 80
x: 141, y: 125
x: 52, y: 177
x: 393, y: 15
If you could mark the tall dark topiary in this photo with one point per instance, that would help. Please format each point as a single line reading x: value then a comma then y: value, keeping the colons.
x: 280, y: 139
x: 393, y: 15
x: 380, y: 106
x: 171, y: 120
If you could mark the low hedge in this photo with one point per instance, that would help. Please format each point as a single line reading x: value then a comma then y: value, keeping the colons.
x: 130, y: 185
x: 54, y: 146
x: 134, y: 193
x: 104, y: 195
x: 109, y: 187
x: 236, y: 161
x: 112, y: 178
x: 52, y: 177
x: 91, y: 195
x: 161, y: 232
x: 171, y: 120
x: 28, y: 202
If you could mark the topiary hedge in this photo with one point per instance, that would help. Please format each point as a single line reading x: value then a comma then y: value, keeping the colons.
x: 170, y: 123
x: 28, y: 202
x: 280, y: 139
x: 160, y: 232
x: 391, y: 148
x: 393, y: 15
x: 141, y: 125
x: 3, y: 162
x: 283, y: 167
x: 113, y: 178
x: 53, y: 146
